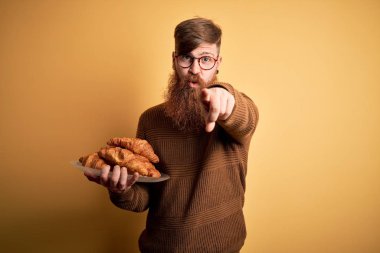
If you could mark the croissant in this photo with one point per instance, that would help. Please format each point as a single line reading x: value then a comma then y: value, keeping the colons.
x: 125, y: 158
x: 143, y: 168
x: 136, y: 145
x: 92, y: 161
x: 119, y: 156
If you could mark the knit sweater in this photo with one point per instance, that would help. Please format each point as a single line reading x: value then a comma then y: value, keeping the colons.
x: 199, y: 209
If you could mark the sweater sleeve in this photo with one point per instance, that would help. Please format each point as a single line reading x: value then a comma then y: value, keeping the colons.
x: 136, y: 199
x: 242, y: 122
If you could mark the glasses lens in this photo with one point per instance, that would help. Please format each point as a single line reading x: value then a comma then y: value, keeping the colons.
x: 185, y: 61
x: 206, y: 62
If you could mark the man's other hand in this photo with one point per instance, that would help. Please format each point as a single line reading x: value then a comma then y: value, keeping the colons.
x: 118, y: 182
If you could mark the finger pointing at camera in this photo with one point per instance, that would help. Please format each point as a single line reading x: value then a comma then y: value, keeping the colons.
x: 219, y: 105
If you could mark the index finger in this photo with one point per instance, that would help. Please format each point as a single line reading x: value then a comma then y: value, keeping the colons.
x: 205, y: 95
x: 210, y: 126
x: 214, y: 109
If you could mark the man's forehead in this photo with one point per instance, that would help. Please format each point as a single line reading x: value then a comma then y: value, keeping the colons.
x: 205, y: 49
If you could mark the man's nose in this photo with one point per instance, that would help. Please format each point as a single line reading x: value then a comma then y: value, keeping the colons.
x: 195, y: 68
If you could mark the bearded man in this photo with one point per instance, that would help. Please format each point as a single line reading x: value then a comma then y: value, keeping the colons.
x: 201, y: 134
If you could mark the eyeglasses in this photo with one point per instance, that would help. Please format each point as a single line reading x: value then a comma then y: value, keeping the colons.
x: 205, y: 62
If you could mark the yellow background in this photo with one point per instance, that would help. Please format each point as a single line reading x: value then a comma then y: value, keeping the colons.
x: 75, y: 73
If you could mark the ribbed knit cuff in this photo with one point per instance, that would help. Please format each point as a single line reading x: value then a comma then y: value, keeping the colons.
x: 122, y: 197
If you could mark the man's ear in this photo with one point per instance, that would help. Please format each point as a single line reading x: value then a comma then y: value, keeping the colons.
x: 218, y: 64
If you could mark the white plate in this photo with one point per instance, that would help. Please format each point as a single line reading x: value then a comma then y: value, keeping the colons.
x: 96, y: 173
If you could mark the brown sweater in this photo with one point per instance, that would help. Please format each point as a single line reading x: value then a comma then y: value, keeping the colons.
x: 199, y: 209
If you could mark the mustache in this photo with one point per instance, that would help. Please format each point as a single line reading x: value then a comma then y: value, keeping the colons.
x: 194, y: 79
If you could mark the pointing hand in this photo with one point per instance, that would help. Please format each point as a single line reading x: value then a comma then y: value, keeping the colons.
x: 219, y: 104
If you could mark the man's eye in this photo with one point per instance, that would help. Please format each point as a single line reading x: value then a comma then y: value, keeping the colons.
x: 206, y: 59
x: 185, y: 58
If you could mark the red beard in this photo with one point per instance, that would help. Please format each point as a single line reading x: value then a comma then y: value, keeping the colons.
x: 183, y: 103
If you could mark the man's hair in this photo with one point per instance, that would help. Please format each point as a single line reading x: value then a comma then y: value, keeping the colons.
x: 189, y: 34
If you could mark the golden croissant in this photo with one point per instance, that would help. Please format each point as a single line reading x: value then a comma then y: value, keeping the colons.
x: 125, y: 158
x: 92, y: 161
x: 136, y: 145
x: 144, y: 168
x: 119, y: 156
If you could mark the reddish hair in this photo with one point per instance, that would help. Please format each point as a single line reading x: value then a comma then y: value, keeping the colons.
x: 189, y: 34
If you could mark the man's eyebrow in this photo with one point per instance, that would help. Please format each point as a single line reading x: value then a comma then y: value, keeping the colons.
x: 207, y: 53
x: 201, y: 54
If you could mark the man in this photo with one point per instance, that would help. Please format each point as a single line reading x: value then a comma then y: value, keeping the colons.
x: 201, y: 134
